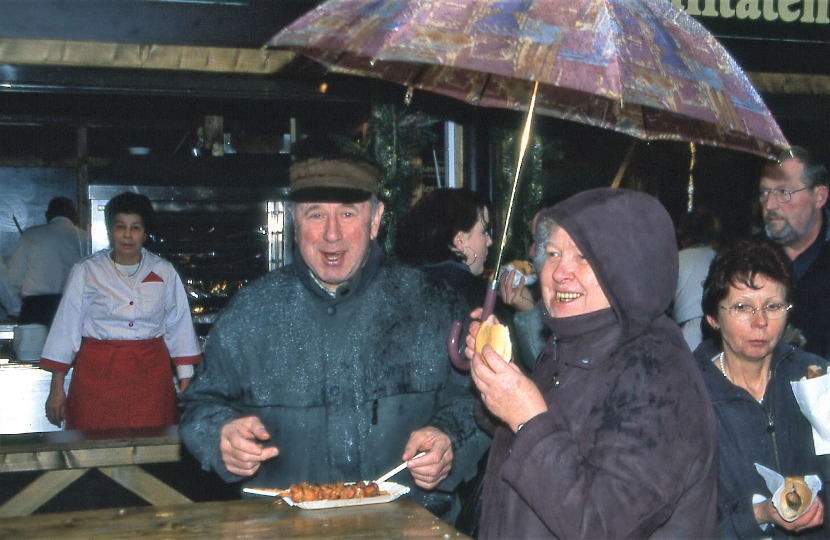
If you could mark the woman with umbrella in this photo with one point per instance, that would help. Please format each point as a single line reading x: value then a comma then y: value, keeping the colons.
x: 612, y: 436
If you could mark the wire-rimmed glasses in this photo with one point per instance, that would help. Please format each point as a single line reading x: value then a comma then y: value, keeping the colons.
x: 772, y: 311
x: 781, y: 195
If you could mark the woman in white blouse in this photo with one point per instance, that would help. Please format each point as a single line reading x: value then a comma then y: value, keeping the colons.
x: 123, y: 322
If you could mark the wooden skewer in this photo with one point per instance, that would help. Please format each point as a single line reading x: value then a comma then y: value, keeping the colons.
x: 268, y: 492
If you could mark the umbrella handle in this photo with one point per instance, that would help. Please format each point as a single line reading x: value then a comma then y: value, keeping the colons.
x: 455, y: 331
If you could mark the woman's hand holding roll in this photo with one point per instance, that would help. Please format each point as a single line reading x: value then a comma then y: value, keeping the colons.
x: 505, y: 390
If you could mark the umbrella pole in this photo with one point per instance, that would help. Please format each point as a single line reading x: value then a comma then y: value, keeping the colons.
x: 623, y: 166
x: 490, y: 300
x: 490, y: 296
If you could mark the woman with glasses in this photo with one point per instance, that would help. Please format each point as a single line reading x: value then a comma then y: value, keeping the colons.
x: 747, y: 369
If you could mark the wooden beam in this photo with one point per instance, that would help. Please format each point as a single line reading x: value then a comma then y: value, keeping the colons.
x: 49, y: 52
x: 790, y: 83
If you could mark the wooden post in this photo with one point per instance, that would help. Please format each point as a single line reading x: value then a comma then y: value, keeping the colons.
x: 82, y: 173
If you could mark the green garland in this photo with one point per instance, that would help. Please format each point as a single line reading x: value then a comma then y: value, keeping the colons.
x: 395, y: 140
x: 533, y: 189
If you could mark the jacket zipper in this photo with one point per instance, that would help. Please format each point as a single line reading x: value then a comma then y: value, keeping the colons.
x: 555, y: 378
x: 770, y: 420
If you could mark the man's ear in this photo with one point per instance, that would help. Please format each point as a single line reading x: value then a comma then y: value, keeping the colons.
x: 821, y: 195
x: 375, y: 225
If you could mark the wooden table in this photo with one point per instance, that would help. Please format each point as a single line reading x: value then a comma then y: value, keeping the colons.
x: 251, y: 519
x: 65, y: 456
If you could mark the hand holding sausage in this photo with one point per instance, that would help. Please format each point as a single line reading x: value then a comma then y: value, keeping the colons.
x: 519, y: 298
x: 765, y: 512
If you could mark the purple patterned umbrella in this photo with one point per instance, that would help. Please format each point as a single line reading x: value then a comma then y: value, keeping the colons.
x: 640, y: 67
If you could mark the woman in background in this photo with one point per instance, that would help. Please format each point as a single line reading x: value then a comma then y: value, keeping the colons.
x: 747, y: 369
x: 123, y: 321
x: 447, y: 234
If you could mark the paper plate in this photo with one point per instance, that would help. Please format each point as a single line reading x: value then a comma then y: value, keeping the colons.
x: 390, y: 492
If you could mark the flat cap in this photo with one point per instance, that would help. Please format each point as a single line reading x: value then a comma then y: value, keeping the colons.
x: 332, y: 179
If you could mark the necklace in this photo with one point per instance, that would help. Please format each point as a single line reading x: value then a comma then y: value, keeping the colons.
x: 723, y: 370
x: 137, y: 267
x: 722, y: 367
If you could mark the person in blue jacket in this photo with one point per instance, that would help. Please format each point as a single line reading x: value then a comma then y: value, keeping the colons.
x: 747, y: 368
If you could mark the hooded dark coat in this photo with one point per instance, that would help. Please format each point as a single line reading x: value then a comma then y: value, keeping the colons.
x: 627, y: 446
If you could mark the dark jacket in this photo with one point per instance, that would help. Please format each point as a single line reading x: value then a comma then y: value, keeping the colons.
x: 811, y: 307
x: 340, y: 383
x: 627, y: 446
x: 773, y: 433
x: 457, y: 276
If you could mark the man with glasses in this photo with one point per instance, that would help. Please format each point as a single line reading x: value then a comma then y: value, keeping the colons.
x: 793, y: 196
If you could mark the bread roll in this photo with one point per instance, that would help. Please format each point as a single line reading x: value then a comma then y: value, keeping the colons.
x: 795, y: 499
x: 497, y: 336
x: 814, y: 371
x: 524, y: 267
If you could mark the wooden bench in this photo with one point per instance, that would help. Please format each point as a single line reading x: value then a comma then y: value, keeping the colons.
x: 65, y: 456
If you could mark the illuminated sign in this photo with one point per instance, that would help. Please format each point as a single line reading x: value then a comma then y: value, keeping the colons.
x: 792, y: 20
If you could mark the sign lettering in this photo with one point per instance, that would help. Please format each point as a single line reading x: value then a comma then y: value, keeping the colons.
x: 781, y: 11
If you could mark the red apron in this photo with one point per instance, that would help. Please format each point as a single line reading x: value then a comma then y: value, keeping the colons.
x: 121, y: 384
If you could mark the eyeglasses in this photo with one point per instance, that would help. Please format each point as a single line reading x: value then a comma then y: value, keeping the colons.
x: 781, y: 195
x: 772, y: 311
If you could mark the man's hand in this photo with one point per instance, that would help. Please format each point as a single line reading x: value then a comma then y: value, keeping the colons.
x: 241, y: 452
x: 765, y: 512
x: 434, y: 467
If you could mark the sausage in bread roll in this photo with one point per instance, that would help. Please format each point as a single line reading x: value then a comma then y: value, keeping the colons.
x: 795, y: 499
x: 524, y: 267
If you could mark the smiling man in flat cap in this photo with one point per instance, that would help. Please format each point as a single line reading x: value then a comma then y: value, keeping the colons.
x: 335, y: 368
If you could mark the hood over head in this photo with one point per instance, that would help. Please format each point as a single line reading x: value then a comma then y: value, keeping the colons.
x: 628, y: 238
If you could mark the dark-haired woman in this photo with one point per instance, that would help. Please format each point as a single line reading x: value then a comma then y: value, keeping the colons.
x: 447, y: 233
x: 747, y: 369
x: 123, y: 322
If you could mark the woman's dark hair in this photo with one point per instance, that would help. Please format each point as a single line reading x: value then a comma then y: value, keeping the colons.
x: 740, y: 262
x: 130, y: 203
x: 426, y: 236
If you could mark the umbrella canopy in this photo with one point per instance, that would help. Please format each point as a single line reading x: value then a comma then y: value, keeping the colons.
x: 639, y: 67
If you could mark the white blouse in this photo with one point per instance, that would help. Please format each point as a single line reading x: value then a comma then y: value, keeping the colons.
x: 97, y: 303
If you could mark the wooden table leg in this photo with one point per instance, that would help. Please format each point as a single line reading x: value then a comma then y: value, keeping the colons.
x: 145, y: 485
x: 39, y: 492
